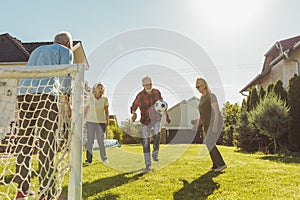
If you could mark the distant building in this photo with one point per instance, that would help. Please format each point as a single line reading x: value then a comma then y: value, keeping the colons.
x: 180, y: 128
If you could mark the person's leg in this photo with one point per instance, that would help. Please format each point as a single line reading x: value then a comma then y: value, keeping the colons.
x: 156, y: 141
x: 47, y: 114
x: 216, y: 157
x: 91, y: 129
x: 25, y: 137
x: 146, y: 144
x: 100, y: 139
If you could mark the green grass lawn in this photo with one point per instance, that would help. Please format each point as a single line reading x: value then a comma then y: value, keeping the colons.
x: 181, y: 174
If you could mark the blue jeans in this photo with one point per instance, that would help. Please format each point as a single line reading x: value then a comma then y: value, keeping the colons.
x: 146, y: 133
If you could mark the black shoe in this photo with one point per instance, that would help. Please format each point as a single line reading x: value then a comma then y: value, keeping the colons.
x: 155, y: 159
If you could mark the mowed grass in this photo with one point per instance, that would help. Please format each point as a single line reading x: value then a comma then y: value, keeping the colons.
x: 182, y: 175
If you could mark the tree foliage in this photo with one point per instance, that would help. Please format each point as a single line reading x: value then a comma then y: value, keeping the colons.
x: 280, y: 91
x: 113, y: 131
x: 294, y: 103
x: 230, y: 111
x: 253, y: 99
x: 132, y: 132
x: 271, y: 117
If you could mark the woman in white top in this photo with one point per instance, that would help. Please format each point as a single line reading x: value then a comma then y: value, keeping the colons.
x: 96, y: 113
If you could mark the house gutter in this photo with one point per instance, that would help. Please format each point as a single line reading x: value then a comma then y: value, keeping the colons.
x: 245, y: 95
x: 285, y: 54
x: 295, y: 60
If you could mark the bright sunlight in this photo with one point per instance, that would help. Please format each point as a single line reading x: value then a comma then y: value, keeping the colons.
x: 230, y: 13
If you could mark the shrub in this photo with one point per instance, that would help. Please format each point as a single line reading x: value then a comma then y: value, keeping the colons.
x: 132, y: 133
x: 271, y: 118
x: 113, y: 131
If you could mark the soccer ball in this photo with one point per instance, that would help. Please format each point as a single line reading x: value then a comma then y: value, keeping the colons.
x: 160, y: 106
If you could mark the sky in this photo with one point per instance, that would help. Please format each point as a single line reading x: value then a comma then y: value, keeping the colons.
x: 173, y: 41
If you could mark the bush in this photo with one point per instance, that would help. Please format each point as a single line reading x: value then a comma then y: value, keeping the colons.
x: 113, y: 131
x: 132, y: 133
x: 271, y: 118
x: 248, y: 137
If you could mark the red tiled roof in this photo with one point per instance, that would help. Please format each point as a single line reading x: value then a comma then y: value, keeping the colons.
x: 13, y: 50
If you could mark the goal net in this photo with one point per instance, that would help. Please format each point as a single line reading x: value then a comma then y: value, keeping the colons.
x: 41, y: 128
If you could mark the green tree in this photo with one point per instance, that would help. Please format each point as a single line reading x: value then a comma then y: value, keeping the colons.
x: 280, y: 91
x: 271, y: 118
x: 294, y: 123
x: 262, y: 92
x: 270, y: 88
x: 248, y: 137
x: 230, y: 111
x: 113, y: 130
x: 254, y: 99
x: 131, y: 132
x: 245, y: 137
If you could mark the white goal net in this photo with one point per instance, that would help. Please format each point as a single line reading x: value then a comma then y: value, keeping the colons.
x: 41, y: 125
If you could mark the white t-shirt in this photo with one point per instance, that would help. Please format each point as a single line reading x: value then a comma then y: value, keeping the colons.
x: 96, y: 112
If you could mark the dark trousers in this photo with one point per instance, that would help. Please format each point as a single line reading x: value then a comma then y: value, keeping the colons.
x: 38, y: 117
x: 210, y: 141
x: 216, y: 157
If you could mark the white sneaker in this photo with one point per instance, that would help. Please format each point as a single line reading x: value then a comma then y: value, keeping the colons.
x: 86, y: 163
x: 105, y: 161
x: 218, y: 169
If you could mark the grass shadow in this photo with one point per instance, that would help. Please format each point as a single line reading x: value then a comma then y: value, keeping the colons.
x: 107, y: 197
x: 8, y: 179
x: 101, y: 185
x: 200, y: 188
x: 283, y: 159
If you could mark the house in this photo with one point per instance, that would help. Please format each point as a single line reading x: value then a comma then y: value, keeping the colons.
x: 281, y: 63
x: 180, y: 128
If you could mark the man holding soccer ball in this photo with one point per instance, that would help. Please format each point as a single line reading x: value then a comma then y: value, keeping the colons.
x: 150, y: 118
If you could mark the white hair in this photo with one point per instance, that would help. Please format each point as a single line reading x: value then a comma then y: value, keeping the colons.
x: 63, y: 38
x: 146, y: 80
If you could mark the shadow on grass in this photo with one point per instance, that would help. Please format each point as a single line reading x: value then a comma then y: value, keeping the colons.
x: 8, y: 179
x: 283, y: 159
x: 101, y: 185
x: 107, y: 197
x: 200, y: 188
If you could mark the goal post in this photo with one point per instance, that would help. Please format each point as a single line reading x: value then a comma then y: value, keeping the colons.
x: 40, y: 139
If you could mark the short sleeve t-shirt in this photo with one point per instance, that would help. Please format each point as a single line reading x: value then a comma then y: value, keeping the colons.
x: 205, y: 109
x: 96, y: 112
